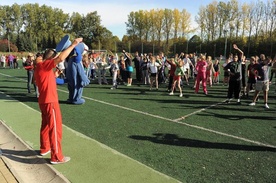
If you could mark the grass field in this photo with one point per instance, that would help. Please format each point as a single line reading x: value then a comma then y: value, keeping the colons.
x: 195, y: 138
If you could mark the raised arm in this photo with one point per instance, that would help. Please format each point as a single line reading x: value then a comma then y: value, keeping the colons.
x: 63, y: 55
x: 126, y: 54
x: 239, y: 50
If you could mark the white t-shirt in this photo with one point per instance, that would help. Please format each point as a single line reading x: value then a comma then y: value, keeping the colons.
x: 3, y: 58
x: 187, y: 63
x: 61, y: 65
x: 153, y: 67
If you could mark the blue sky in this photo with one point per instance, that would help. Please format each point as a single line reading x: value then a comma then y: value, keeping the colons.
x: 114, y: 13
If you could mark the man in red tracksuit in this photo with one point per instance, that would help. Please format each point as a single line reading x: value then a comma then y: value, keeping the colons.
x: 51, y: 127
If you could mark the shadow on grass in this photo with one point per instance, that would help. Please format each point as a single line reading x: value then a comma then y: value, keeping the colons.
x: 24, y: 156
x: 22, y: 97
x: 230, y: 116
x: 11, y: 81
x: 7, y: 88
x: 173, y: 139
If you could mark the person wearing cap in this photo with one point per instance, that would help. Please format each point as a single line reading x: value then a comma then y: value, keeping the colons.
x: 29, y: 67
x: 51, y: 126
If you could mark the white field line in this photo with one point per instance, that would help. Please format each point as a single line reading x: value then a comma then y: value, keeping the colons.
x: 89, y: 138
x: 198, y: 111
x: 177, y: 120
x: 186, y: 124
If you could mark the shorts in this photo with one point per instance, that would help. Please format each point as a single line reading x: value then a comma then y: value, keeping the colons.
x: 152, y: 74
x: 176, y: 78
x: 262, y: 85
x: 216, y: 74
x: 251, y: 80
x: 226, y: 74
x: 128, y: 74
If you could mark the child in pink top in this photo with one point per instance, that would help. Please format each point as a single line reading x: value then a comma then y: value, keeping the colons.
x: 201, y: 66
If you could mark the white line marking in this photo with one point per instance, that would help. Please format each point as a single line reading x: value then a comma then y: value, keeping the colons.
x: 198, y: 111
x: 177, y: 121
x: 89, y: 138
x: 186, y: 124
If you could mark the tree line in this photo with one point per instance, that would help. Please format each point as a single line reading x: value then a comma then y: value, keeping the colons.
x: 31, y: 27
x: 251, y: 25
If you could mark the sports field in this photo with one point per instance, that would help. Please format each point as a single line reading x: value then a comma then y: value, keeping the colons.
x: 195, y: 138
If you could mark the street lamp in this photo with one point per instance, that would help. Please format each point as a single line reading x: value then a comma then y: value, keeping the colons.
x: 225, y: 45
x: 115, y: 47
x: 9, y: 43
x: 215, y: 46
x: 187, y: 48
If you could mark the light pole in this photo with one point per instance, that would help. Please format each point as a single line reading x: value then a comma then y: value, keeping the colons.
x: 215, y: 46
x: 225, y: 45
x: 99, y: 45
x: 187, y: 48
x: 9, y: 43
x: 200, y: 48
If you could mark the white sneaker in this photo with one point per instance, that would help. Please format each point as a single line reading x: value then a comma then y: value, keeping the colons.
x: 44, y: 154
x: 181, y: 95
x: 252, y: 104
x: 171, y: 93
x: 65, y: 159
x: 266, y: 106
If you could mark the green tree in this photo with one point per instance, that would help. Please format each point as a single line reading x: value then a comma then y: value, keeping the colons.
x: 168, y: 22
x: 176, y: 25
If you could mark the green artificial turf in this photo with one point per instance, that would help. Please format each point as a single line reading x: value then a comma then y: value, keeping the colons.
x: 215, y: 142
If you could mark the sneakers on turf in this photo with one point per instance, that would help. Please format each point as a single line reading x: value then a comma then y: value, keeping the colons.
x: 266, y: 106
x: 45, y: 153
x: 180, y: 95
x: 171, y: 93
x: 65, y: 159
x: 252, y: 104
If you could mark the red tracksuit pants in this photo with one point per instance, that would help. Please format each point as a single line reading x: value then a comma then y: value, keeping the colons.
x: 51, y: 130
x: 201, y: 76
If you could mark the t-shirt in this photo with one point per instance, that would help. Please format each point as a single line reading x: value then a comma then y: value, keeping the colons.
x: 263, y: 72
x: 153, y: 67
x: 216, y: 67
x: 187, y: 63
x: 235, y: 68
x: 172, y: 70
x: 251, y: 73
x: 46, y: 82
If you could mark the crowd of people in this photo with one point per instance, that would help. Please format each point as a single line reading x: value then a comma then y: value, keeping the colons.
x: 9, y: 61
x: 241, y: 75
x: 182, y: 69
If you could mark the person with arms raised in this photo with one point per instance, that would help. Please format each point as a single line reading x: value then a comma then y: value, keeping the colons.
x: 51, y: 126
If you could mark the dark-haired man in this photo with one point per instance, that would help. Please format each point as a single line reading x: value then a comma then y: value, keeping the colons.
x: 261, y: 72
x: 234, y: 69
x: 51, y: 127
